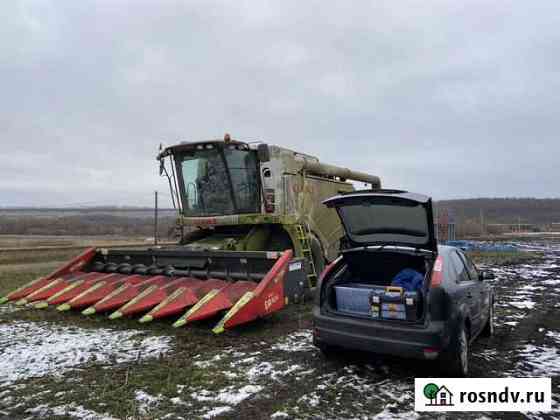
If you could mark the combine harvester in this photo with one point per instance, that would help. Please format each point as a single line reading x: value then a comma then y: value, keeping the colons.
x: 253, y: 236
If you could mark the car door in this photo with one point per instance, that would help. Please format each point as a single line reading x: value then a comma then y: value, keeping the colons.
x: 475, y: 293
x: 467, y: 293
x: 484, y: 294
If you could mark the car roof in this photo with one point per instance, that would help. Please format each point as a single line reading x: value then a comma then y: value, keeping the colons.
x: 446, y: 249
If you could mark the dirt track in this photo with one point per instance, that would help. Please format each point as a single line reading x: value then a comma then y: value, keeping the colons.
x: 267, y: 369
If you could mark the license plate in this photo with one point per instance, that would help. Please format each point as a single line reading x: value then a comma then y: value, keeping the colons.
x: 393, y: 315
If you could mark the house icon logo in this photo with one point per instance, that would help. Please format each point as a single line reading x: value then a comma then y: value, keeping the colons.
x: 439, y: 396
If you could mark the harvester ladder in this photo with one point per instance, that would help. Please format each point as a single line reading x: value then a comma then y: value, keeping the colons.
x: 303, y: 233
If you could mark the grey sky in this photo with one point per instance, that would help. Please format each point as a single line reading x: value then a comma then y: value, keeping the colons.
x: 452, y: 99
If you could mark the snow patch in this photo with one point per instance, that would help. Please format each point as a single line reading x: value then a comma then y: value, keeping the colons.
x: 311, y: 399
x: 530, y: 288
x: 296, y: 342
x: 555, y: 335
x: 540, y: 361
x: 525, y: 304
x: 146, y: 402
x: 227, y: 395
x: 387, y: 414
x: 216, y: 411
x: 178, y: 401
x: 261, y: 369
x: 203, y: 364
x: 551, y: 282
x: 68, y: 410
x: 38, y: 349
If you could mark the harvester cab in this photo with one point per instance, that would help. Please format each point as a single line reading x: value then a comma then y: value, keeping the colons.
x: 253, y: 237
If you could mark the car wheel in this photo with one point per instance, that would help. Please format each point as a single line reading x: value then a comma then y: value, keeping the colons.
x: 455, y: 361
x: 488, y: 329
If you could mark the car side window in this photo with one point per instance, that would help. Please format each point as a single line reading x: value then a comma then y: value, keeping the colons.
x: 473, y: 272
x: 459, y: 267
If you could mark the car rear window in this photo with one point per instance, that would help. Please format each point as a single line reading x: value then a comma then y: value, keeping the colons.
x: 397, y: 220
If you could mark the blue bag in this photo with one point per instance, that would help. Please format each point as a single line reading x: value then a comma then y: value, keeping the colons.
x: 409, y: 279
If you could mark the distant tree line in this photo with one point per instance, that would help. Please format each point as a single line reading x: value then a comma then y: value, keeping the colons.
x: 485, y: 215
x: 85, y: 224
x: 472, y: 216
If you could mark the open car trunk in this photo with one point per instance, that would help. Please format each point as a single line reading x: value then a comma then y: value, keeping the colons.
x: 391, y: 246
x: 380, y: 285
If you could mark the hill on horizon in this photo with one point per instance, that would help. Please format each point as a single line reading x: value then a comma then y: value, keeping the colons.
x: 538, y: 211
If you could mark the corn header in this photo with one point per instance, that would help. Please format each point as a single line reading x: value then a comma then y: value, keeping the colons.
x: 252, y: 236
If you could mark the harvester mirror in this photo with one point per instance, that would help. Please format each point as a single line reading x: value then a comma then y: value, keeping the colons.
x: 161, y: 166
x: 263, y: 153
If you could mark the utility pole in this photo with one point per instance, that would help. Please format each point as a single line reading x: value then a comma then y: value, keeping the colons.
x: 155, y: 218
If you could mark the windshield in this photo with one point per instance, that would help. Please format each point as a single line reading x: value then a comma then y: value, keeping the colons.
x: 386, y: 221
x: 208, y: 176
x: 242, y: 166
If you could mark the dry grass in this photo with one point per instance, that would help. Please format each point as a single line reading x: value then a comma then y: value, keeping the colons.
x: 503, y: 258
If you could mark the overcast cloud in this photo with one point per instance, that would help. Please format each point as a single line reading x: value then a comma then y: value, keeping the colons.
x: 452, y: 99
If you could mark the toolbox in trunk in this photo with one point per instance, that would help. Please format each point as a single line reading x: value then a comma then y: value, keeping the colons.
x: 378, y: 302
x: 398, y: 304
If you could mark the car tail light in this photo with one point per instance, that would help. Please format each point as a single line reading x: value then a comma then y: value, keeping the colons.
x: 437, y: 272
x: 431, y: 353
x: 269, y: 200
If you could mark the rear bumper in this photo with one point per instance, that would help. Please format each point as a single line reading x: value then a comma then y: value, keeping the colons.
x: 379, y: 336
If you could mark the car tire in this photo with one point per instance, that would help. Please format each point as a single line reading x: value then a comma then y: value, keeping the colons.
x: 488, y: 330
x: 455, y: 360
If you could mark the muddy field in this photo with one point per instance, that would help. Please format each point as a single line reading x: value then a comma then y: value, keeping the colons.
x: 55, y: 365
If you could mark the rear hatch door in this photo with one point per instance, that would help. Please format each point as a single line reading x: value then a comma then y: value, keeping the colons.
x: 386, y: 218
